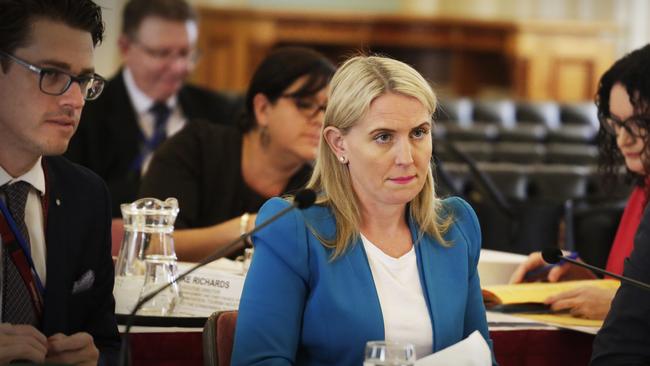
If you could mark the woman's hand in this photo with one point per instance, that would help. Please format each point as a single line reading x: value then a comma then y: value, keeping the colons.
x: 562, y: 272
x: 584, y: 302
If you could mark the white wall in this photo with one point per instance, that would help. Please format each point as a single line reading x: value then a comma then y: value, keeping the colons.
x: 107, y: 59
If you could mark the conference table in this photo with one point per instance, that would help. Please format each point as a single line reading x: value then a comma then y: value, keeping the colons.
x: 513, y: 345
x: 516, y: 341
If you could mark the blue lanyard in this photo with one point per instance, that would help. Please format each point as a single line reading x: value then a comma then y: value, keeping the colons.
x: 23, y: 245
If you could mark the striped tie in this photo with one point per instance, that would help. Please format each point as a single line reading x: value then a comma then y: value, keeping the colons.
x: 17, y: 307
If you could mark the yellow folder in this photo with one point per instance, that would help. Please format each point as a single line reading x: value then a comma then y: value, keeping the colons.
x: 527, y: 300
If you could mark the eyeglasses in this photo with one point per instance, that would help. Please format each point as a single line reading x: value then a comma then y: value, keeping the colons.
x: 167, y: 55
x: 635, y: 126
x: 308, y: 108
x: 56, y: 82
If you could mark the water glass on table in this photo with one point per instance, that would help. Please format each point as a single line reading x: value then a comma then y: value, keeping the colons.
x: 389, y: 353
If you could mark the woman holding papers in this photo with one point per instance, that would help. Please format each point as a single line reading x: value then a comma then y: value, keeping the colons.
x: 379, y: 256
x: 222, y: 175
x: 623, y: 101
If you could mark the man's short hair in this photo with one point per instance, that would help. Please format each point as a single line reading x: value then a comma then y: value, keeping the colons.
x: 17, y: 16
x: 135, y: 11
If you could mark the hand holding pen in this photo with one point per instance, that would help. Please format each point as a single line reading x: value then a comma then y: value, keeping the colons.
x: 535, y: 269
x: 543, y: 271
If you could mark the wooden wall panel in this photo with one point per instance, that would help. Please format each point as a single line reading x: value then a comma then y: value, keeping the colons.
x: 528, y: 60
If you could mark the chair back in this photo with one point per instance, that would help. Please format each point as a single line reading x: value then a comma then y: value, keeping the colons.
x: 218, y: 338
x: 117, y: 233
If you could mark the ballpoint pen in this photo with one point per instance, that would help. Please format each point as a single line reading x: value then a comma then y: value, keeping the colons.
x: 535, y: 273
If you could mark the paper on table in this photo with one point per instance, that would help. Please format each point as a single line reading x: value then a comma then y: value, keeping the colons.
x: 502, y: 321
x: 225, y: 264
x: 495, y: 267
x: 215, y: 287
x: 471, y: 351
x: 563, y: 319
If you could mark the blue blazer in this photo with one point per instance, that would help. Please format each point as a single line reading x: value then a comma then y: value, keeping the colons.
x: 299, y: 307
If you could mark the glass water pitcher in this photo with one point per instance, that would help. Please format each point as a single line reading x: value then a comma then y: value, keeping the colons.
x: 147, y: 259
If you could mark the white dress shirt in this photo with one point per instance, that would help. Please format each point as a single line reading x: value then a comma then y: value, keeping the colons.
x: 142, y: 105
x: 33, y: 212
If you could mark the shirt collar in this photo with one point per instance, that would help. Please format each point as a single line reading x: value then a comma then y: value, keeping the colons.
x: 142, y: 102
x: 35, y: 176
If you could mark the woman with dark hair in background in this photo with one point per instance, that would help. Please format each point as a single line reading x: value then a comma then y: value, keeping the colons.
x: 221, y: 175
x: 623, y: 101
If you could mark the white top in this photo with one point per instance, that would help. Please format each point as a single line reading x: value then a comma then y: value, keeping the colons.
x: 142, y: 104
x: 405, y: 312
x: 33, y: 212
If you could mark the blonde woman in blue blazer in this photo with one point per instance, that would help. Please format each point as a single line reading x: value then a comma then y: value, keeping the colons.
x: 379, y: 256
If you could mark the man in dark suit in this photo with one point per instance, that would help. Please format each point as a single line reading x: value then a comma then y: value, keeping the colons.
x: 56, y: 272
x: 148, y: 100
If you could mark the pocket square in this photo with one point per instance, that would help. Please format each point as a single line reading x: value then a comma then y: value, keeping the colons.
x: 85, y: 282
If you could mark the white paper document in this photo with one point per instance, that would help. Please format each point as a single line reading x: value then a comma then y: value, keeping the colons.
x: 209, y: 289
x: 215, y: 287
x: 471, y: 351
x: 495, y: 268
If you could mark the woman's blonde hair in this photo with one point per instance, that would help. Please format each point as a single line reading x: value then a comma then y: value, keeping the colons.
x: 358, y: 82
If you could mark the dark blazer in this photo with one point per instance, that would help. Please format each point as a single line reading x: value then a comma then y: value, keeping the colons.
x: 108, y: 138
x: 79, y: 283
x: 624, y: 338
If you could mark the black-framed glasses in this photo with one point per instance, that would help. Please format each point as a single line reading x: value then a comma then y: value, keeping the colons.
x: 308, y: 108
x: 168, y: 55
x: 635, y: 126
x: 52, y: 81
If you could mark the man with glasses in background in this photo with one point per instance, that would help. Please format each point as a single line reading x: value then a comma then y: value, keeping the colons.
x: 56, y: 272
x: 148, y: 100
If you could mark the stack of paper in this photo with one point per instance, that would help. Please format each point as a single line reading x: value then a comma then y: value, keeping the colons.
x: 471, y: 351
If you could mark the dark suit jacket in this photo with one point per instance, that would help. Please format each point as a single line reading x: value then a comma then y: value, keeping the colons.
x: 78, y: 240
x: 108, y: 138
x: 625, y: 336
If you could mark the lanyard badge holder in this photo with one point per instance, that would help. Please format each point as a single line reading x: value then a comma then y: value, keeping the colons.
x: 20, y: 253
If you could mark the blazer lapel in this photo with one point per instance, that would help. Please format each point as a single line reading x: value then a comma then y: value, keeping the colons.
x: 188, y: 105
x: 56, y: 293
x: 428, y: 259
x: 357, y: 261
x: 123, y: 121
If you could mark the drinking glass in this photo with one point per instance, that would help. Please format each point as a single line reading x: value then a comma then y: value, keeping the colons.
x: 389, y: 353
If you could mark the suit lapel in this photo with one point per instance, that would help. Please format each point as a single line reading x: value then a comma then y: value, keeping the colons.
x: 357, y: 262
x: 429, y: 265
x: 56, y: 293
x: 188, y: 105
x: 123, y: 122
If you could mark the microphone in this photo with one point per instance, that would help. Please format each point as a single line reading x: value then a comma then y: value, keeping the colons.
x: 554, y: 255
x: 302, y: 200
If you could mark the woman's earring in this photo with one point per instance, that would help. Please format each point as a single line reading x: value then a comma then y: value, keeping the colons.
x: 343, y: 159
